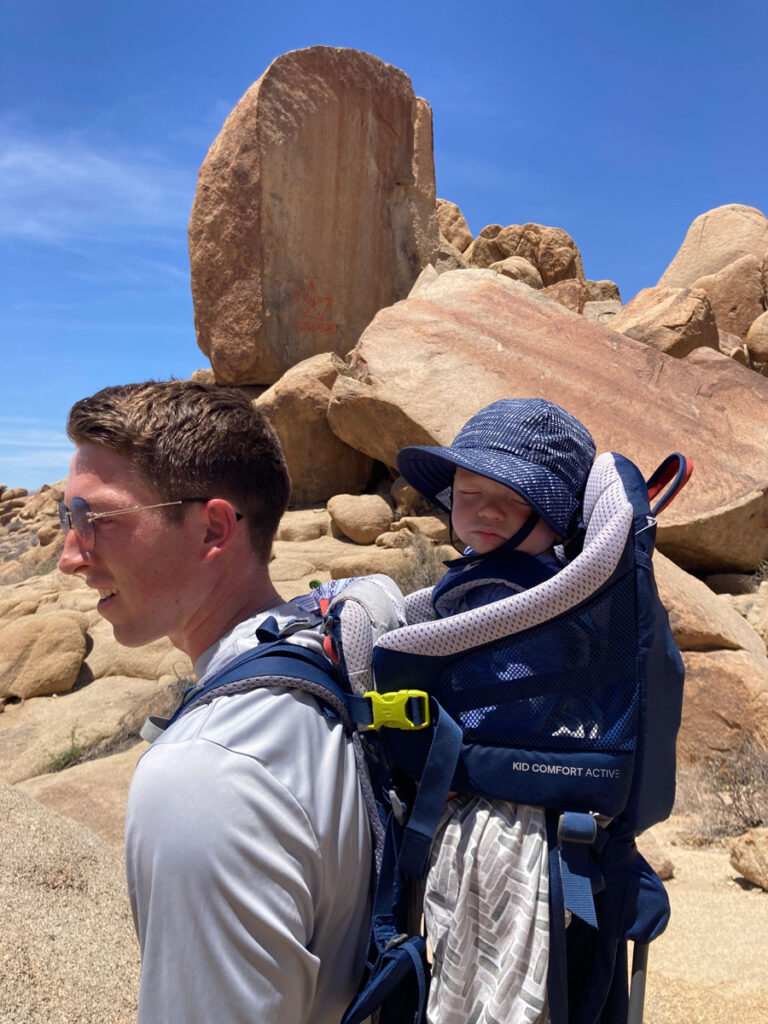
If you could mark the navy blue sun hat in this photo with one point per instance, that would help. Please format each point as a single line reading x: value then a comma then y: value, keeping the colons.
x: 528, y: 444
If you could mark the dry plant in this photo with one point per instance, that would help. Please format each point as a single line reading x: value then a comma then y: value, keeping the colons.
x: 424, y: 565
x: 725, y: 796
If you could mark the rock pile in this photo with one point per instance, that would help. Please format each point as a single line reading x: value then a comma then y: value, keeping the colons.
x: 362, y: 315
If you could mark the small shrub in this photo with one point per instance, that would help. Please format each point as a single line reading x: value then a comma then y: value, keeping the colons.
x: 424, y: 566
x: 74, y: 754
x: 726, y: 796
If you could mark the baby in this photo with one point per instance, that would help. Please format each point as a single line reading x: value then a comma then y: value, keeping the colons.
x: 512, y: 482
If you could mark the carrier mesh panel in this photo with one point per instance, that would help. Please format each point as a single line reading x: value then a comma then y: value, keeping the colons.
x: 589, y: 705
x: 356, y: 644
x: 418, y: 606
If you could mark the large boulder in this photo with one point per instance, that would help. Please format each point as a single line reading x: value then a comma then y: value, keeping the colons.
x: 551, y: 250
x: 726, y: 687
x: 69, y: 949
x: 320, y: 463
x: 453, y: 224
x: 41, y: 655
x: 736, y: 294
x: 315, y: 207
x: 361, y: 517
x: 757, y: 339
x: 425, y: 365
x: 673, y: 320
x: 714, y: 240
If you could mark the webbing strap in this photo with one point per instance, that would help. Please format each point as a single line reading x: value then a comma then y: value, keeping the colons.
x: 557, y: 975
x: 274, y: 659
x: 576, y: 833
x: 434, y: 786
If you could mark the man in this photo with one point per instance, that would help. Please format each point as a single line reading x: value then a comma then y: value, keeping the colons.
x: 247, y: 843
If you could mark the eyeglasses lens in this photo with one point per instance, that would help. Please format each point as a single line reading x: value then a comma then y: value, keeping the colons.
x: 76, y: 518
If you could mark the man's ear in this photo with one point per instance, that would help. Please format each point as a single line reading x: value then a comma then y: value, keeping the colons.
x: 221, y: 524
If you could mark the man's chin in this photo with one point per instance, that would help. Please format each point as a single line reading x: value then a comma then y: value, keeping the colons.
x: 132, y: 636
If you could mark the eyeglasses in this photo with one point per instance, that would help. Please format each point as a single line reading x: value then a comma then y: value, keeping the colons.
x: 78, y: 516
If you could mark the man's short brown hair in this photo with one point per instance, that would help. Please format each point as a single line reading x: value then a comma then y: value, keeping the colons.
x: 190, y: 440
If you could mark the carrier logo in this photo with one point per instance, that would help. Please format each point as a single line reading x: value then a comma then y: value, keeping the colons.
x: 564, y: 769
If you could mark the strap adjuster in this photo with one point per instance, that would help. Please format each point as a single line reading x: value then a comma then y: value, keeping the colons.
x: 399, y: 709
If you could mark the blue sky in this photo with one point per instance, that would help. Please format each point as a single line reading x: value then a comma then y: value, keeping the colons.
x: 618, y: 122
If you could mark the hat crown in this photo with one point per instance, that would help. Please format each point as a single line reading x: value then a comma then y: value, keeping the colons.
x: 533, y: 430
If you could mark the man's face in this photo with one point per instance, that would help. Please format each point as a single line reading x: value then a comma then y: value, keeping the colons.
x: 140, y: 563
x: 485, y: 514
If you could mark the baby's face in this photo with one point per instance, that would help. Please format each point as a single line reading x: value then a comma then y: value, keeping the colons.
x: 486, y: 514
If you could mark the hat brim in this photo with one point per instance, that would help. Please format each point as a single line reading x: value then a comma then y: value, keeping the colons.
x: 430, y: 471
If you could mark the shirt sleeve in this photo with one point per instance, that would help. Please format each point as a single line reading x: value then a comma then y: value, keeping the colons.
x: 220, y: 879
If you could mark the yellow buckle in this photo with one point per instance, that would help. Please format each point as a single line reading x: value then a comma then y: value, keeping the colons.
x: 390, y: 709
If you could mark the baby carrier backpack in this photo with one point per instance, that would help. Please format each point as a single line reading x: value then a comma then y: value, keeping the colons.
x: 584, y: 725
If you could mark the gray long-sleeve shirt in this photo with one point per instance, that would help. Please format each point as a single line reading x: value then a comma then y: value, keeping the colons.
x: 248, y: 860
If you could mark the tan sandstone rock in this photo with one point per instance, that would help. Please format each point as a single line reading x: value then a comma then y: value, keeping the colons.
x: 41, y: 654
x: 733, y: 346
x: 725, y: 701
x: 36, y: 733
x: 714, y: 240
x: 304, y: 524
x: 69, y: 948
x: 736, y: 294
x: 315, y: 207
x: 749, y: 855
x: 519, y: 269
x: 603, y: 291
x: 726, y: 687
x: 651, y: 849
x: 757, y: 339
x: 700, y: 619
x: 447, y: 257
x: 94, y: 793
x: 453, y: 224
x: 425, y: 365
x: 573, y: 294
x: 602, y: 311
x: 320, y: 464
x: 551, y: 250
x: 361, y: 517
x: 484, y: 252
x: 673, y: 320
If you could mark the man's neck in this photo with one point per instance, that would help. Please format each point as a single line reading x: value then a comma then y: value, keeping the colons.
x: 224, y: 608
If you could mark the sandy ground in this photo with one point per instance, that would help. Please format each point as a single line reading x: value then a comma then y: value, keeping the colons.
x: 711, y: 964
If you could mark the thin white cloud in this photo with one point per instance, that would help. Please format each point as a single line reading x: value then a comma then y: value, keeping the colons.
x: 18, y: 432
x: 69, y: 191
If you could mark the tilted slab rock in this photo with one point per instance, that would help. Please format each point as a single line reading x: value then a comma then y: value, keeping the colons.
x: 673, y: 320
x: 714, y: 240
x: 425, y: 365
x: 315, y: 207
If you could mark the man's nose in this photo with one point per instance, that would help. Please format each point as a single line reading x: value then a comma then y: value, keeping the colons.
x: 74, y: 557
